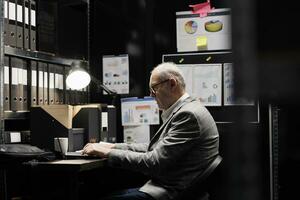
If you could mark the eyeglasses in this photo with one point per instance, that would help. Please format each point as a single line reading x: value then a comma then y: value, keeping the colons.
x: 152, y: 87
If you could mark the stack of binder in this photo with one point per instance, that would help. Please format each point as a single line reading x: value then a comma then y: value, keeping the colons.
x: 20, y: 23
x: 30, y: 83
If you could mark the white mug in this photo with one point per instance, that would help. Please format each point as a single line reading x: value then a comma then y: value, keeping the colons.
x: 61, y: 144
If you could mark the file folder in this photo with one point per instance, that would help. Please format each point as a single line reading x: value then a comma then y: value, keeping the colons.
x: 19, y: 24
x: 46, y: 84
x: 16, y: 64
x: 32, y: 25
x: 33, y: 83
x: 6, y: 28
x: 63, y: 86
x: 26, y: 24
x: 68, y: 95
x: 83, y: 96
x: 60, y: 84
x: 56, y: 85
x: 75, y: 97
x: 20, y: 84
x: 40, y: 83
x: 12, y: 23
x: 24, y: 84
x: 6, y: 84
x: 51, y: 84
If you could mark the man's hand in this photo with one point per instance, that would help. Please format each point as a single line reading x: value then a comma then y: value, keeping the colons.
x: 96, y: 149
x: 107, y: 145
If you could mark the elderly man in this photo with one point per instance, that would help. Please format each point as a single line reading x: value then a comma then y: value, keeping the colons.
x: 182, y: 148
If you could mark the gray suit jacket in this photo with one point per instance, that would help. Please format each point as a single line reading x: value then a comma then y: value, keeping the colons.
x: 180, y: 150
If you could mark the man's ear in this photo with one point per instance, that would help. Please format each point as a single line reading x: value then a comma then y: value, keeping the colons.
x: 173, y: 82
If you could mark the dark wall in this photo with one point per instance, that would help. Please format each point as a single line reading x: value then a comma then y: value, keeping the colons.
x: 144, y: 29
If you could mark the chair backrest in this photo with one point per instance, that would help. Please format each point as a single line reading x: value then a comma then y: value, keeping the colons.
x: 196, y: 184
x: 209, y: 170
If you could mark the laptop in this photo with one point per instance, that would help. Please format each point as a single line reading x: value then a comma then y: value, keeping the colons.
x: 79, y: 155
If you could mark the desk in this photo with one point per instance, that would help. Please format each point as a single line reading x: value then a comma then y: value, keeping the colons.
x: 76, y: 165
x: 59, y: 179
x: 55, y: 171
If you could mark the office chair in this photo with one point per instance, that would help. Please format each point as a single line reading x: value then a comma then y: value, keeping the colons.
x: 198, y: 188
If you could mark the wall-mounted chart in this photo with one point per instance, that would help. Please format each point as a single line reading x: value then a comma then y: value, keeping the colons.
x: 204, y: 81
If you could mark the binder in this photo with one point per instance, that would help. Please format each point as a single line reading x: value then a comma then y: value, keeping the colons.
x: 26, y: 24
x: 6, y: 84
x: 33, y: 82
x: 68, y: 95
x: 40, y: 83
x: 51, y: 84
x: 74, y: 97
x: 19, y: 24
x: 46, y: 84
x: 6, y: 32
x: 56, y: 84
x: 24, y: 84
x: 16, y: 64
x: 20, y: 84
x: 83, y: 96
x: 60, y: 71
x: 32, y: 25
x: 12, y: 23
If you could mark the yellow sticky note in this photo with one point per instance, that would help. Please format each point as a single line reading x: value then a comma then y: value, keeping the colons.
x: 201, y: 42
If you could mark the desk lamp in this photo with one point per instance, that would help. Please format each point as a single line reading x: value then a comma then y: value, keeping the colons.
x: 79, y: 78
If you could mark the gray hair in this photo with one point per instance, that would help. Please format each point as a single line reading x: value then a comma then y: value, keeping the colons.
x: 170, y: 70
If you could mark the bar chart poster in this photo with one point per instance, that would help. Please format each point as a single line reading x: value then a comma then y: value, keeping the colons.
x: 207, y: 83
x: 139, y: 111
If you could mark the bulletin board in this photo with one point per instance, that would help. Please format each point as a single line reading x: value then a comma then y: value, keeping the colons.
x: 209, y: 77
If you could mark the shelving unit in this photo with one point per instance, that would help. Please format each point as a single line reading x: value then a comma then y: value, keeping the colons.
x: 8, y: 116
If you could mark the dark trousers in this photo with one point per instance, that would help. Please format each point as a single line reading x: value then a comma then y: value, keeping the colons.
x: 128, y: 194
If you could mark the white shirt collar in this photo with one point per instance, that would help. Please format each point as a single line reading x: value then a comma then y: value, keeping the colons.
x: 166, y: 113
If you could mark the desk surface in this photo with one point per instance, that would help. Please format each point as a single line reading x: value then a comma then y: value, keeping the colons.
x: 77, y: 165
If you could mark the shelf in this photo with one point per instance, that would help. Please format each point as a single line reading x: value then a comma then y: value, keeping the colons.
x: 37, y: 55
x: 12, y: 115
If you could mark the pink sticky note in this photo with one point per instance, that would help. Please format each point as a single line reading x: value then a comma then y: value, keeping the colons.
x: 202, y: 8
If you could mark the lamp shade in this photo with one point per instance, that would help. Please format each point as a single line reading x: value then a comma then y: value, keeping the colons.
x: 78, y: 77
